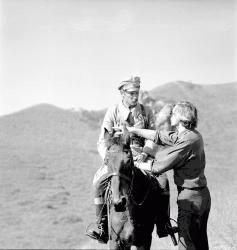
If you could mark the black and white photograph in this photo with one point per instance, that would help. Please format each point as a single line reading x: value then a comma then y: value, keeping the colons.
x: 118, y: 124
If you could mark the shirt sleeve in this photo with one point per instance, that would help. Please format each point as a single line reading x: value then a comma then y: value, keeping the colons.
x: 151, y: 119
x: 166, y: 138
x: 150, y: 147
x: 107, y: 124
x: 171, y: 157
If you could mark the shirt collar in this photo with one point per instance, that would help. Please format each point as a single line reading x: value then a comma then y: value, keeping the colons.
x: 124, y: 111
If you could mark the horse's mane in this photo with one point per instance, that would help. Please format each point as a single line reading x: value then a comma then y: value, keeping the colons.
x: 131, y: 196
x: 122, y: 141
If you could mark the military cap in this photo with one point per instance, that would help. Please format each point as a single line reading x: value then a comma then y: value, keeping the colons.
x: 131, y: 84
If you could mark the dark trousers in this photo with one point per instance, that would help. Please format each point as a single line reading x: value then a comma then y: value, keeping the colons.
x: 163, y: 212
x: 193, y: 211
x: 101, y: 181
x: 100, y: 184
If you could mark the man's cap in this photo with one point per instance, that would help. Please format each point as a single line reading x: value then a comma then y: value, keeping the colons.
x: 132, y: 84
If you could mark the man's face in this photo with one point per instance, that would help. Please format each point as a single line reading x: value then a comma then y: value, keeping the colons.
x: 130, y: 98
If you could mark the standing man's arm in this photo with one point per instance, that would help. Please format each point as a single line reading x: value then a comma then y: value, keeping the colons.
x: 150, y: 148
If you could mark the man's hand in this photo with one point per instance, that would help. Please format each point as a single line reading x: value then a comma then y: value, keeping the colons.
x: 121, y: 130
x: 141, y: 157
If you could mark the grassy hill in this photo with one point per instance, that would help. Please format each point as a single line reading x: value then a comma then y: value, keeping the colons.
x: 48, y: 158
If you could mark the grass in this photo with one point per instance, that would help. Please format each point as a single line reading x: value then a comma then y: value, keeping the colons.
x: 48, y: 158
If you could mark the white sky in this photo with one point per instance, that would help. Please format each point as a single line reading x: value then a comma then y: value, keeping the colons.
x: 73, y: 53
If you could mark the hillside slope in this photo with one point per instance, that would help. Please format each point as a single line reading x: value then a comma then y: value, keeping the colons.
x: 48, y: 158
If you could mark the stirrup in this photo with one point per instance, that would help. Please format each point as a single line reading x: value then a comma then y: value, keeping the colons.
x: 167, y: 230
x: 162, y: 232
x: 171, y: 230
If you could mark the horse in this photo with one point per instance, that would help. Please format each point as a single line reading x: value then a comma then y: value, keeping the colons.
x: 132, y: 198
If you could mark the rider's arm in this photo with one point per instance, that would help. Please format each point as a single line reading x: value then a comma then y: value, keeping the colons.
x: 101, y: 146
x: 107, y: 124
x: 150, y: 148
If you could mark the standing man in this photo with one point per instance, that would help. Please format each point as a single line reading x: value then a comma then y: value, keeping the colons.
x: 131, y: 112
x: 185, y: 155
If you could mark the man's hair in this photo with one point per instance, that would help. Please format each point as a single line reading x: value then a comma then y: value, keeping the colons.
x: 187, y: 114
x: 163, y: 117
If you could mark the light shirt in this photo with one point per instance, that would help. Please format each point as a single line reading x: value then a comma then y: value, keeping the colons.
x: 117, y: 115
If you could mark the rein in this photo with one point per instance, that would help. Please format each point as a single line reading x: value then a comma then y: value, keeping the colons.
x: 130, y: 192
x: 110, y: 227
x: 145, y: 196
x: 108, y: 199
x: 131, y: 180
x: 121, y: 175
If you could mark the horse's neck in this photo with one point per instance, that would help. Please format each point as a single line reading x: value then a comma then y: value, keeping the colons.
x: 141, y: 182
x: 140, y: 175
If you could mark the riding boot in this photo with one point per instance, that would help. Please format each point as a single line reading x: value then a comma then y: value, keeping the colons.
x: 101, y: 232
x: 163, y: 211
x: 163, y: 224
x: 163, y: 216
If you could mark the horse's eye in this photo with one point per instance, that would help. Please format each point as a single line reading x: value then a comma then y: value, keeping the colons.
x: 127, y: 152
x: 106, y: 161
x: 129, y: 161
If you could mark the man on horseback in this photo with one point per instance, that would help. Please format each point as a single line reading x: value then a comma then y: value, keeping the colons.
x: 131, y: 112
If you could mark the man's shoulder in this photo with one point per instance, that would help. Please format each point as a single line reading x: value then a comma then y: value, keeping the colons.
x: 190, y: 137
x: 112, y: 108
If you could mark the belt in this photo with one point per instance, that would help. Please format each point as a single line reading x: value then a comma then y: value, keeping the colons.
x: 194, y: 188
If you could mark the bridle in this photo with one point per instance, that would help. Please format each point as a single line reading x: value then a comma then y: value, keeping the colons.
x: 131, y: 182
x: 123, y: 176
x: 108, y: 196
x: 126, y: 178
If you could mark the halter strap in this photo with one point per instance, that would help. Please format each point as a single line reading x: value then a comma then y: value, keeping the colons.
x: 120, y: 175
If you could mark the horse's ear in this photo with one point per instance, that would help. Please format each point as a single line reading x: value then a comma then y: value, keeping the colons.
x: 107, y: 136
x: 126, y: 136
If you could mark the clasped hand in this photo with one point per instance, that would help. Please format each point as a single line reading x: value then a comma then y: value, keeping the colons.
x: 141, y: 157
x: 121, y: 130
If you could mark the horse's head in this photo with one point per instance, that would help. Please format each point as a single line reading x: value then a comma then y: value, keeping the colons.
x: 120, y: 164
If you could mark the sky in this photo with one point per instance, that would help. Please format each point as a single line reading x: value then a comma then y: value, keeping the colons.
x: 74, y: 53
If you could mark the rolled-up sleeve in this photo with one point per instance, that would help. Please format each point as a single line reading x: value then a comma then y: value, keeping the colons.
x: 107, y: 124
x: 150, y: 147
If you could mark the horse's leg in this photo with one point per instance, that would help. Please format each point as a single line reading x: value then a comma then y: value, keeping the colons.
x: 113, y: 245
x: 146, y: 244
